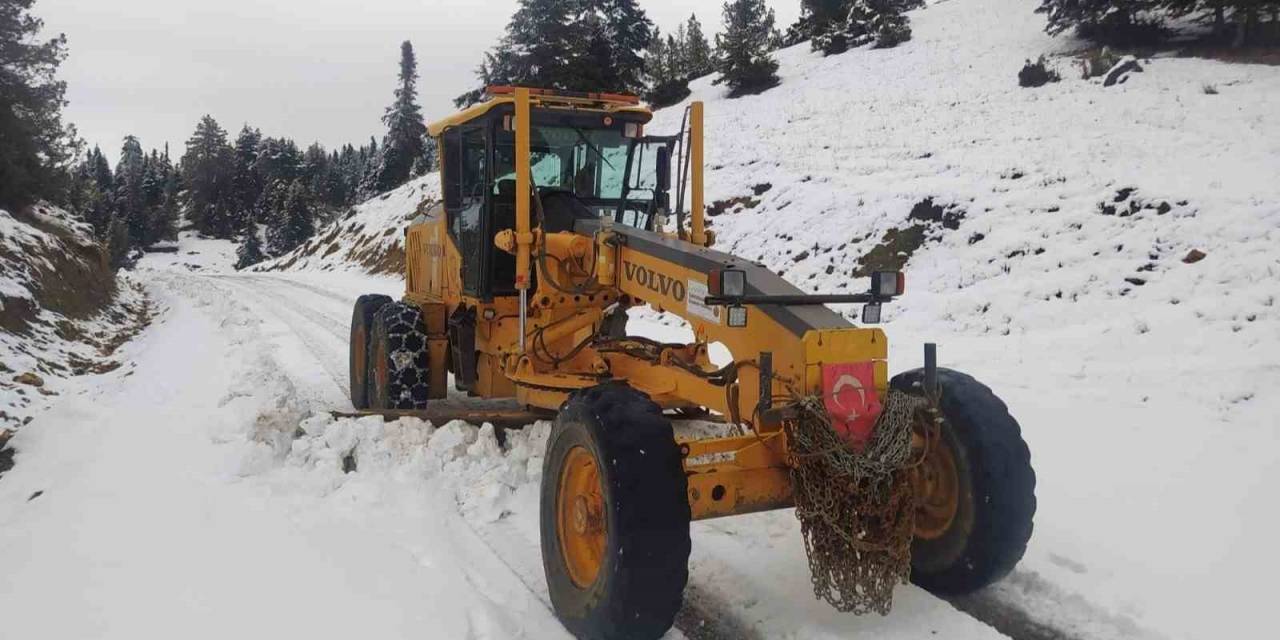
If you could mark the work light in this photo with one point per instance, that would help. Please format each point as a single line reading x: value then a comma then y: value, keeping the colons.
x: 888, y: 284
x: 737, y: 316
x: 730, y: 283
x: 871, y: 313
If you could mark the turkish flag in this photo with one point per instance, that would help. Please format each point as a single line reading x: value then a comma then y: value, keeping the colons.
x: 849, y: 394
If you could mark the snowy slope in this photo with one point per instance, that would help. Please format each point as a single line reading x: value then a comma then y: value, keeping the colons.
x: 369, y: 238
x: 1058, y: 272
x: 62, y: 311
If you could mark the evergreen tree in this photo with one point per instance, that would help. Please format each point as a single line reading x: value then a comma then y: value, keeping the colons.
x: 405, y: 142
x: 130, y: 203
x: 246, y: 177
x: 664, y: 87
x: 627, y: 31
x: 577, y: 45
x: 207, y: 169
x: 162, y: 197
x: 294, y: 222
x: 98, y: 188
x: 35, y: 146
x: 744, y: 62
x: 249, y: 252
x: 697, y: 51
x: 876, y: 21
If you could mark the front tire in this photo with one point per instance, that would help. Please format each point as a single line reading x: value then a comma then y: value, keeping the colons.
x: 399, y: 376
x: 361, y: 324
x: 975, y: 490
x: 614, y: 516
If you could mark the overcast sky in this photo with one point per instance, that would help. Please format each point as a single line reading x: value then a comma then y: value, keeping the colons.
x: 312, y: 70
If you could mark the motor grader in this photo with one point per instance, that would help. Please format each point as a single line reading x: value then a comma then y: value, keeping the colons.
x: 558, y: 217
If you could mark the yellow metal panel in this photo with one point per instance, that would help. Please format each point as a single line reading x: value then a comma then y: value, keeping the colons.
x: 523, y: 188
x: 699, y: 235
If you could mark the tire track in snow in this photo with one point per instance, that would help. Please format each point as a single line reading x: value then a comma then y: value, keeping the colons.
x: 336, y: 371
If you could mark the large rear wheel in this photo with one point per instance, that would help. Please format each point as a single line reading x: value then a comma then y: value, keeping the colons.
x: 975, y: 491
x: 615, y: 516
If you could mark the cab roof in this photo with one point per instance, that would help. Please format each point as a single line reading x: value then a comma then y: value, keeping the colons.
x: 546, y: 99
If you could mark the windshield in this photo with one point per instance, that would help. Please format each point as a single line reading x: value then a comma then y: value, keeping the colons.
x: 589, y: 162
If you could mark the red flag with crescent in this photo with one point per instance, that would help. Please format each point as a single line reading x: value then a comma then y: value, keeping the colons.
x: 849, y: 393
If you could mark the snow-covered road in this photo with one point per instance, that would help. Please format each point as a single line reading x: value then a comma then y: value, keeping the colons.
x: 189, y: 495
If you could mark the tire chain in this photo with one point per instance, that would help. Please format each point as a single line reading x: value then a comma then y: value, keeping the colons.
x: 408, y: 364
x: 856, y: 508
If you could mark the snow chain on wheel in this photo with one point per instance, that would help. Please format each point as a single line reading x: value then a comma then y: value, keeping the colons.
x: 856, y: 508
x: 398, y: 362
x: 614, y: 516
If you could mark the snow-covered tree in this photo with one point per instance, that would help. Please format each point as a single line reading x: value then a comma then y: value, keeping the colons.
x: 698, y: 57
x: 743, y: 58
x: 294, y: 222
x: 405, y: 142
x: 207, y: 169
x: 249, y: 252
x: 130, y: 204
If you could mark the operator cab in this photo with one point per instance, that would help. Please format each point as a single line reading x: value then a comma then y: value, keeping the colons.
x: 588, y: 159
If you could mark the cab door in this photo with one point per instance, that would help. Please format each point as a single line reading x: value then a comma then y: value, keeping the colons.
x: 468, y: 205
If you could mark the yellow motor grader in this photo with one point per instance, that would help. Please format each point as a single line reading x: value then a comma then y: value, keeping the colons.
x: 557, y: 218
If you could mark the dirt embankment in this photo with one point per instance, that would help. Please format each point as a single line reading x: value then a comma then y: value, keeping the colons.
x: 63, y: 312
x: 58, y: 263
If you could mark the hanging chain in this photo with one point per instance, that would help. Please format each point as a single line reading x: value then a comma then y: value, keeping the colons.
x: 857, y: 508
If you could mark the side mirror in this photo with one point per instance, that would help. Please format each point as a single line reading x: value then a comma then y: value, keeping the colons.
x: 664, y: 169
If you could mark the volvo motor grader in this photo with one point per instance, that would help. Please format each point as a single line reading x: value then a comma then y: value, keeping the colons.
x: 557, y: 218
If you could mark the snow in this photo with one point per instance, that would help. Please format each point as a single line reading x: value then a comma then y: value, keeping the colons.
x: 207, y: 477
x: 34, y: 251
x: 1145, y: 406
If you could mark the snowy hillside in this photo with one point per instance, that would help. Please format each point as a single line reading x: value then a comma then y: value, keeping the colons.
x: 62, y: 312
x: 368, y: 238
x: 1104, y: 257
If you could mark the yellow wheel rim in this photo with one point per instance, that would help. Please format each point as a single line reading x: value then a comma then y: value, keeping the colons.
x: 938, y: 492
x: 580, y: 517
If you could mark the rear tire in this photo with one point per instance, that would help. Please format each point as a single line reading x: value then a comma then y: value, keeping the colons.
x: 636, y: 586
x: 993, y: 485
x: 399, y: 376
x: 361, y: 323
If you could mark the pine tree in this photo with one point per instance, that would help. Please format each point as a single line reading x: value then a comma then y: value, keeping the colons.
x: 627, y: 32
x: 405, y: 142
x: 876, y: 21
x: 207, y: 169
x: 744, y: 62
x: 130, y: 202
x: 697, y: 51
x: 577, y: 45
x: 249, y: 252
x: 664, y: 88
x: 97, y: 207
x: 35, y: 146
x: 246, y: 177
x: 164, y: 211
x: 294, y: 223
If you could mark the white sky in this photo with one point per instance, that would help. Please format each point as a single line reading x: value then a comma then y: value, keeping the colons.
x: 312, y: 70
